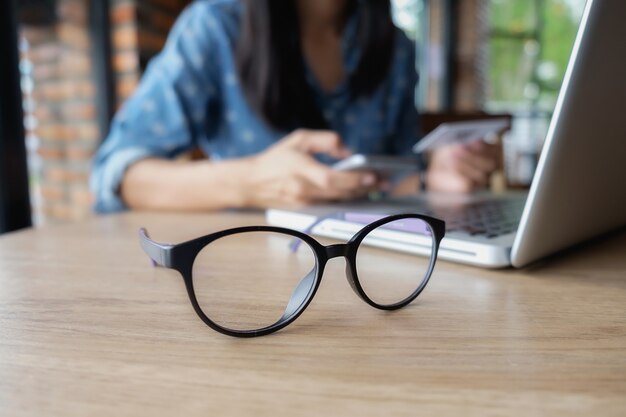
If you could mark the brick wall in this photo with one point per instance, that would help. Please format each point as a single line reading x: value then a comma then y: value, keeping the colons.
x: 472, y: 56
x: 435, y: 58
x: 63, y: 98
x: 65, y: 134
x: 139, y: 32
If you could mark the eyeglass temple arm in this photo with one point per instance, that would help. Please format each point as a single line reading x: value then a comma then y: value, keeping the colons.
x: 159, y: 253
x: 295, y: 242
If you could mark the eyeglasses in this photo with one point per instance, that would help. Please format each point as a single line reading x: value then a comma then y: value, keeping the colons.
x: 252, y: 281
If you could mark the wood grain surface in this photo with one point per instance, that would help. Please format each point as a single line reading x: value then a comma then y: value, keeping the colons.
x: 88, y: 328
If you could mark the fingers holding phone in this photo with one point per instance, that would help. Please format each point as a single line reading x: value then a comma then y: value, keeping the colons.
x: 287, y: 173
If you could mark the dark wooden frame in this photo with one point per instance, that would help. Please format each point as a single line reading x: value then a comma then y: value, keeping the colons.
x: 100, y: 33
x: 15, y: 212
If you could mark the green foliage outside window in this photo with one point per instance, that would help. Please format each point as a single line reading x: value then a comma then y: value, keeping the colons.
x: 530, y: 45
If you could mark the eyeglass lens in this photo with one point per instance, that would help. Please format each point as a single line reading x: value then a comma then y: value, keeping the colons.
x: 245, y: 281
x: 393, y: 260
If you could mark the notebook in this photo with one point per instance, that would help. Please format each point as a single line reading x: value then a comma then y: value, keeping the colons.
x: 579, y: 187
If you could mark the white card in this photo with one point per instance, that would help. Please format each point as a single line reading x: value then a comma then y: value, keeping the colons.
x: 461, y: 132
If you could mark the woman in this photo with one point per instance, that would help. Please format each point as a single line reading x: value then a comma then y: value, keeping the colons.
x: 271, y: 91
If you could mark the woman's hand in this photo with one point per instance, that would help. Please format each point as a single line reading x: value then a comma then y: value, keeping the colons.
x: 286, y: 174
x: 462, y: 168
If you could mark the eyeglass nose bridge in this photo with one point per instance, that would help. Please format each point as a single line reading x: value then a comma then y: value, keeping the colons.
x: 343, y: 250
x: 337, y: 250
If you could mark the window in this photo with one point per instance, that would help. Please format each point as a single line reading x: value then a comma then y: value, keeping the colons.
x: 530, y: 45
x: 530, y: 42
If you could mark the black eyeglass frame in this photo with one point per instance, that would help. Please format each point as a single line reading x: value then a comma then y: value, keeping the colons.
x: 181, y: 257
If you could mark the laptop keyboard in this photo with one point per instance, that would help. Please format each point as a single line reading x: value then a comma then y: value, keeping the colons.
x: 489, y: 219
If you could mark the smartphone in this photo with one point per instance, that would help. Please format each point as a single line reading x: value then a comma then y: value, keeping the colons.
x: 381, y: 164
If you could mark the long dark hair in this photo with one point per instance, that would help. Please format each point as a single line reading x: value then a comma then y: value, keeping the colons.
x: 271, y: 66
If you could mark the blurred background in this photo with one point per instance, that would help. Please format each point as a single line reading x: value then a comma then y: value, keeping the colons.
x: 79, y: 60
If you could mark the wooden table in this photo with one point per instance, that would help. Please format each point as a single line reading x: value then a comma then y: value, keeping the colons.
x: 88, y: 328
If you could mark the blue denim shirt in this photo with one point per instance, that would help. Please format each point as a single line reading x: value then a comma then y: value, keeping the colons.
x: 190, y: 97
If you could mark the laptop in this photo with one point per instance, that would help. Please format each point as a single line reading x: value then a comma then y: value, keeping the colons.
x: 579, y: 188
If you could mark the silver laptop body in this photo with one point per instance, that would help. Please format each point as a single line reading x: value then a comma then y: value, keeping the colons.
x: 579, y: 188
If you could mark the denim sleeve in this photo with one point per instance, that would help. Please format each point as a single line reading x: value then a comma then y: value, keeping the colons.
x: 407, y: 131
x: 167, y: 109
